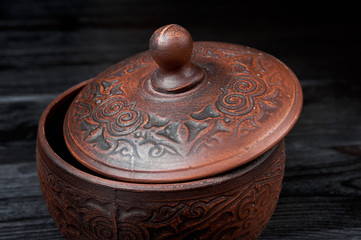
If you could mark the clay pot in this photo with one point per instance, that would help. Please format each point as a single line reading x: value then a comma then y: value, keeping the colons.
x: 92, y: 192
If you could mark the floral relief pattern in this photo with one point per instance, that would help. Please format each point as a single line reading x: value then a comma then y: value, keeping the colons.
x: 230, y: 213
x: 248, y: 211
x: 117, y: 127
x: 78, y: 214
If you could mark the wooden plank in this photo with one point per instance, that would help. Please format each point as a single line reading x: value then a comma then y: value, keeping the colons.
x: 310, y: 217
x: 23, y: 213
x: 18, y: 126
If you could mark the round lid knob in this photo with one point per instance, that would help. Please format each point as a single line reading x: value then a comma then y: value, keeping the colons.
x: 182, y: 110
x: 171, y: 47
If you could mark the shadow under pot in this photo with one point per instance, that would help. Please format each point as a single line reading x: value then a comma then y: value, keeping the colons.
x: 184, y: 141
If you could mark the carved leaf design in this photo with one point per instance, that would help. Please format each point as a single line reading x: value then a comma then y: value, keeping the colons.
x: 170, y: 132
x: 160, y: 146
x: 194, y: 129
x: 83, y: 111
x: 107, y: 84
x: 208, y: 139
x: 88, y: 128
x: 116, y: 90
x: 244, y: 127
x: 126, y: 151
x: 97, y: 136
x: 207, y: 112
x: 154, y: 121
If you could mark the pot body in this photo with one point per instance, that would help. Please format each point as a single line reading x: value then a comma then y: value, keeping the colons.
x: 234, y: 205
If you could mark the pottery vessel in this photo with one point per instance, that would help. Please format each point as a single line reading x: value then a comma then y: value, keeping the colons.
x: 184, y: 141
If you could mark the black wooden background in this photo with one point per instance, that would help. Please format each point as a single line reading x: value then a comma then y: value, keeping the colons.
x: 47, y: 46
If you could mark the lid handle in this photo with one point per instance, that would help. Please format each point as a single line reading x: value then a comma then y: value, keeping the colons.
x: 171, y: 47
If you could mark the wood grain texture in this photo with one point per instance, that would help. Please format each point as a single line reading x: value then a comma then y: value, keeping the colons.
x: 48, y: 46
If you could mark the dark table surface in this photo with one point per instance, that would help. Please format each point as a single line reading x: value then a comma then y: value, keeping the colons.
x: 48, y: 46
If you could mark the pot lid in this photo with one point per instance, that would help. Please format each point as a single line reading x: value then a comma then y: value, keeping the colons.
x: 182, y: 110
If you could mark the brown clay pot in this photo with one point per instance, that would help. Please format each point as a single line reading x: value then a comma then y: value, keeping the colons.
x: 92, y: 196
